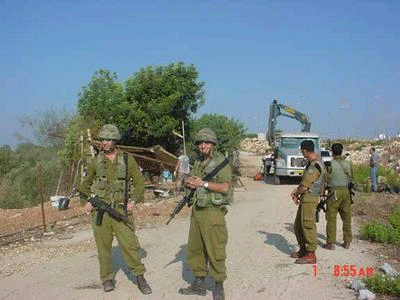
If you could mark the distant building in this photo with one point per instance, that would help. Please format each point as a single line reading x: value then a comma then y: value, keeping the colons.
x: 382, y: 137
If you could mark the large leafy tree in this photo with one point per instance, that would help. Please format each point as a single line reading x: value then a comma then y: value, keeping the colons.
x: 230, y: 132
x: 102, y: 97
x: 149, y: 106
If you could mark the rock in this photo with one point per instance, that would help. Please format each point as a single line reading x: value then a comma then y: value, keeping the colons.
x: 254, y: 145
x: 388, y: 270
x: 357, y: 285
x: 366, y: 295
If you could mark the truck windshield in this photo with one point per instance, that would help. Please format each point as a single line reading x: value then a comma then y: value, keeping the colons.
x: 294, y: 143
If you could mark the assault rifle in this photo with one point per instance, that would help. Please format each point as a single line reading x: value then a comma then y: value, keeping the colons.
x: 321, y: 206
x: 352, y: 189
x: 102, y: 207
x: 185, y: 200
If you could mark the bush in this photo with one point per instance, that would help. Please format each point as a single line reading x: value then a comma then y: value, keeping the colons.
x: 380, y: 233
x: 375, y: 232
x: 20, y: 186
x: 383, y: 285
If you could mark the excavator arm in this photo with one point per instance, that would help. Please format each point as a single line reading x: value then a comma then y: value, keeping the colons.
x: 277, y: 110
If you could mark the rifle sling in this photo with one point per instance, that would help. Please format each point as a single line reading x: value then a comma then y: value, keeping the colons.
x: 126, y: 182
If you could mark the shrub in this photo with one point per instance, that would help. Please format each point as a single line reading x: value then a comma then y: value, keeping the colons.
x: 375, y: 232
x: 20, y: 186
x: 383, y: 285
x: 380, y: 233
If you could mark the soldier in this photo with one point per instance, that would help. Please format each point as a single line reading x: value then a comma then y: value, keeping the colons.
x: 307, y: 195
x: 106, y: 178
x: 208, y: 233
x: 339, y: 176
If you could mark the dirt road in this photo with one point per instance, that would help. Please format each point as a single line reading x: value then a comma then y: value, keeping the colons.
x: 260, y: 225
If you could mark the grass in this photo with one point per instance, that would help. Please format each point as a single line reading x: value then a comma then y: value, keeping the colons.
x: 379, y: 216
x: 381, y: 284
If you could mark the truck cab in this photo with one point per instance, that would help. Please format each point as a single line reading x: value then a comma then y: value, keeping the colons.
x: 288, y: 160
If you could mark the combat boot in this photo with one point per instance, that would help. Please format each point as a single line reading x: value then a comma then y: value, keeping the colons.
x: 197, y: 288
x: 143, y: 286
x: 218, y: 292
x: 309, y: 258
x: 329, y: 246
x: 297, y: 254
x: 346, y: 245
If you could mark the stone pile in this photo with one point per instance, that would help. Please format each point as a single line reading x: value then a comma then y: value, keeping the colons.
x: 390, y: 154
x: 358, y: 151
x: 256, y: 146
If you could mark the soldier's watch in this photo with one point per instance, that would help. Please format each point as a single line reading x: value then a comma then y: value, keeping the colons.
x: 205, y: 184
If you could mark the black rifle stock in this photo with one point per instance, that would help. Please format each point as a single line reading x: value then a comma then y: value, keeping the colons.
x: 352, y: 192
x: 185, y: 200
x: 102, y: 207
x: 320, y: 206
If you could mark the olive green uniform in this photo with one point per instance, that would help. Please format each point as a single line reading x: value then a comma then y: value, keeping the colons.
x: 106, y: 179
x: 305, y: 227
x: 339, y: 176
x: 208, y: 234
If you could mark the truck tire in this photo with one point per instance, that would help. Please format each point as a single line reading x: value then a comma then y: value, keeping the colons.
x: 277, y: 180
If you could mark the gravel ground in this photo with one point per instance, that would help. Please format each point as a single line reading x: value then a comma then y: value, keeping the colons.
x: 260, y: 224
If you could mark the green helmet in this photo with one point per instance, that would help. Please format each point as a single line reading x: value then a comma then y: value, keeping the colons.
x: 206, y: 135
x: 109, y: 132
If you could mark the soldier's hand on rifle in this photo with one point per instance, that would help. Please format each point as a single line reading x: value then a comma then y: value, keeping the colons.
x: 88, y: 208
x: 194, y: 182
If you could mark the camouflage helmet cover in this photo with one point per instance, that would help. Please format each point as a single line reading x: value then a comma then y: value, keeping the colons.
x: 206, y: 135
x: 109, y: 132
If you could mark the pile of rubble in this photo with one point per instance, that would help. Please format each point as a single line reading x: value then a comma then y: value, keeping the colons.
x: 358, y: 151
x: 256, y: 146
x: 389, y: 153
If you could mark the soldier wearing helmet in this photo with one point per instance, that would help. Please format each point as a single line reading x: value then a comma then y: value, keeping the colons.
x: 208, y: 233
x: 106, y: 178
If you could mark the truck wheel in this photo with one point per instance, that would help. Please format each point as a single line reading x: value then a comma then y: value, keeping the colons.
x: 277, y: 180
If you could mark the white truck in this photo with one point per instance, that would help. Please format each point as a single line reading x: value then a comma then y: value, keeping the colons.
x: 286, y: 159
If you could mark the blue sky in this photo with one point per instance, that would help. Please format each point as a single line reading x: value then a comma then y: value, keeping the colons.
x: 338, y: 62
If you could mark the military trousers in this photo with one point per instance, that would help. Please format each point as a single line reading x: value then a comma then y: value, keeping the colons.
x: 208, y: 237
x: 305, y: 227
x: 339, y: 202
x: 127, y: 241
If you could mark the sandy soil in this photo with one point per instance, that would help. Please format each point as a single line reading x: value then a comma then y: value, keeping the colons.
x: 260, y: 224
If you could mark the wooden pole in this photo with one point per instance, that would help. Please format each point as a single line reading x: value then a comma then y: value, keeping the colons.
x: 183, y: 134
x: 41, y: 193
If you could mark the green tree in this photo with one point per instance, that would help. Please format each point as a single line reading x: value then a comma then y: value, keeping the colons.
x: 149, y: 106
x: 230, y: 132
x: 102, y: 99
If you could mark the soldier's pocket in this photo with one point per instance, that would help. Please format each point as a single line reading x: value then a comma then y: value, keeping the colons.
x: 220, y: 235
x: 202, y: 197
x: 309, y: 215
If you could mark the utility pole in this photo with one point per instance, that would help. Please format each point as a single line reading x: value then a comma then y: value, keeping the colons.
x: 182, y: 136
